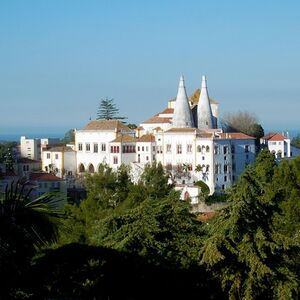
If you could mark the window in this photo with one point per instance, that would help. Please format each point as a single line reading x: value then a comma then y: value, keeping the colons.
x: 147, y: 148
x: 95, y: 148
x: 225, y: 168
x: 189, y: 148
x: 225, y: 149
x: 48, y: 155
x: 246, y: 148
x: 169, y: 147
x: 140, y: 148
x: 153, y: 157
x: 207, y: 148
x: 225, y: 178
x: 203, y: 157
x: 114, y: 149
x: 153, y: 148
x: 247, y: 156
x: 207, y: 168
x: 115, y: 160
x: 79, y: 146
x: 179, y: 149
x: 232, y: 149
x: 45, y: 185
x: 143, y: 148
x: 216, y: 150
x: 147, y: 158
x: 198, y: 148
x: 225, y: 157
x: 87, y: 147
x: 103, y: 147
x: 56, y: 156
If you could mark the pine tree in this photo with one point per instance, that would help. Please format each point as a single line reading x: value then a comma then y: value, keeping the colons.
x: 108, y: 110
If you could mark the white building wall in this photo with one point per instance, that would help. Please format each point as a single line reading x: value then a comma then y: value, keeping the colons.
x: 102, y: 138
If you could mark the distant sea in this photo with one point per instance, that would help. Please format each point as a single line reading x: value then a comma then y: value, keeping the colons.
x: 16, y: 137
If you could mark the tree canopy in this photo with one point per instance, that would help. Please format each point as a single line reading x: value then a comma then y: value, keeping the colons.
x: 244, y: 122
x: 108, y: 110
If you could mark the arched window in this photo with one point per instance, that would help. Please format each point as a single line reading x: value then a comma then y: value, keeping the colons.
x: 207, y: 148
x: 81, y: 168
x: 186, y: 195
x: 91, y: 169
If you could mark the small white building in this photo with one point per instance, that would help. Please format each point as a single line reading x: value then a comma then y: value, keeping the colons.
x: 32, y: 148
x: 60, y: 160
x: 278, y: 144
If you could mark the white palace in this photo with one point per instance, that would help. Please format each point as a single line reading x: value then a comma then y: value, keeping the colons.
x: 184, y: 137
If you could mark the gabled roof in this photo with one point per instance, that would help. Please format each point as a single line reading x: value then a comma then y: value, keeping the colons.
x: 147, y: 138
x: 25, y: 160
x: 182, y: 130
x: 60, y: 149
x: 40, y: 176
x: 157, y: 120
x: 274, y: 137
x: 124, y: 138
x: 167, y: 111
x: 106, y: 125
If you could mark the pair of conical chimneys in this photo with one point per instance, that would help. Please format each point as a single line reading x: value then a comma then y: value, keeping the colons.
x: 183, y: 118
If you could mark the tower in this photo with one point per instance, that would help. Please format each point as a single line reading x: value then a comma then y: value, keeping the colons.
x: 182, y: 117
x: 205, y: 116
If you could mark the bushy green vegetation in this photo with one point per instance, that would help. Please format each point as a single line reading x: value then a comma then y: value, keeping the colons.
x: 140, y: 241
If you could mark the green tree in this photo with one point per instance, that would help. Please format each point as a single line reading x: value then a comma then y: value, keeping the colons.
x: 26, y: 225
x: 69, y: 136
x: 155, y: 180
x: 245, y: 250
x: 244, y: 122
x: 108, y: 110
x: 296, y: 141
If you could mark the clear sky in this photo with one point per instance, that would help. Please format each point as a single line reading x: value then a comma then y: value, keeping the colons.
x: 58, y: 58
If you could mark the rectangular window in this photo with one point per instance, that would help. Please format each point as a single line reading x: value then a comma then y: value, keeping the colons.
x: 169, y: 147
x: 225, y: 149
x: 143, y: 148
x: 48, y: 155
x: 153, y: 148
x: 225, y: 178
x: 147, y: 148
x: 56, y: 156
x: 138, y: 148
x: 225, y: 169
x: 216, y: 150
x: 246, y: 148
x: 79, y: 146
x: 87, y: 147
x: 115, y: 160
x: 189, y: 148
x: 179, y: 149
x: 95, y: 148
x: 103, y: 147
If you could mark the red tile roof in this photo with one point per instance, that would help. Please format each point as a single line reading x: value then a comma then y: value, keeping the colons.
x: 182, y: 130
x: 147, y: 138
x: 236, y: 136
x: 43, y: 177
x: 155, y: 119
x: 274, y: 137
x: 60, y: 149
x: 167, y: 111
x: 124, y: 138
x: 105, y: 125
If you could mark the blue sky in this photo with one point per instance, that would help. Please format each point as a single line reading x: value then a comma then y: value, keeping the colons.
x: 59, y: 58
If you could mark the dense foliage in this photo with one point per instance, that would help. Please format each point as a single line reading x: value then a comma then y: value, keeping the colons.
x: 140, y: 241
